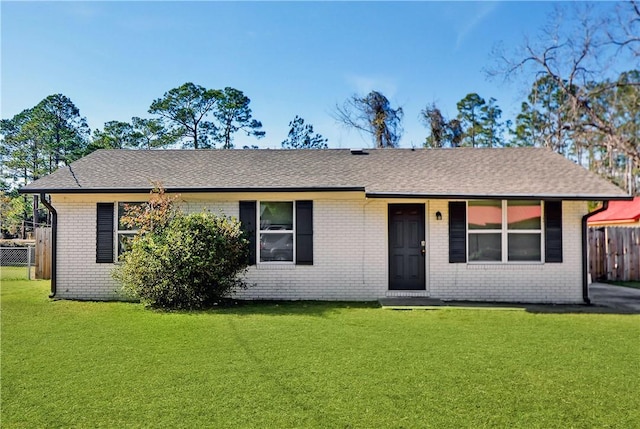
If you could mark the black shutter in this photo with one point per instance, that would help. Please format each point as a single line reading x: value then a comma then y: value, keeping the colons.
x: 248, y: 225
x: 104, y: 233
x: 304, y: 232
x: 457, y: 231
x: 553, y: 231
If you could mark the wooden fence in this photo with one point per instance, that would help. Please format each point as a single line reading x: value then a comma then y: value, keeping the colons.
x: 614, y: 253
x: 43, y: 253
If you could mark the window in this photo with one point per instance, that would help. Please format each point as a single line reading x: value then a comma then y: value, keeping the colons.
x: 124, y: 234
x: 485, y: 230
x: 276, y: 231
x: 111, y: 235
x: 504, y: 231
x: 524, y: 230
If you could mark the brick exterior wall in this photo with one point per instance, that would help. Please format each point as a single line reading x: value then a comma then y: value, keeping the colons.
x: 78, y: 274
x: 350, y: 254
x: 548, y: 282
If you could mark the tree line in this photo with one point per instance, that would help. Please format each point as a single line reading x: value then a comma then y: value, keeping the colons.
x: 39, y: 140
x: 579, y: 103
x: 575, y: 106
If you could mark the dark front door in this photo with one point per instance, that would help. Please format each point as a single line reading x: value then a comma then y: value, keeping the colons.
x: 406, y: 247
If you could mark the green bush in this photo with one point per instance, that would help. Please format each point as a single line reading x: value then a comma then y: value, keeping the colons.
x: 190, y: 262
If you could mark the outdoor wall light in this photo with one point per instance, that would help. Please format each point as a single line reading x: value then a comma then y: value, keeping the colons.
x: 438, y: 216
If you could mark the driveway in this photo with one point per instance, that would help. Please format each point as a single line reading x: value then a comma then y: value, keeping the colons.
x: 605, y: 298
x: 617, y: 297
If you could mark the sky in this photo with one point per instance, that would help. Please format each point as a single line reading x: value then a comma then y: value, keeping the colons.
x: 112, y: 59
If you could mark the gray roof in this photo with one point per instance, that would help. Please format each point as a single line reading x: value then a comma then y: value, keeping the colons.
x: 432, y: 173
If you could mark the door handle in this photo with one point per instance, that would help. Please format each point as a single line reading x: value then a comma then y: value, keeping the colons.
x: 423, y: 250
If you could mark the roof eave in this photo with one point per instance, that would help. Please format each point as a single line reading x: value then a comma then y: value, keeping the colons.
x: 568, y: 197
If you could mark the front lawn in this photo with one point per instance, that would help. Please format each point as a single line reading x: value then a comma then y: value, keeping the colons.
x: 16, y: 273
x: 87, y: 364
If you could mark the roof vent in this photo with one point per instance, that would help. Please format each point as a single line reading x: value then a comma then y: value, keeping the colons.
x: 358, y: 152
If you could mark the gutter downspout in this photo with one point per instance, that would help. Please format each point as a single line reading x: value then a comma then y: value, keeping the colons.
x: 54, y: 242
x: 585, y: 247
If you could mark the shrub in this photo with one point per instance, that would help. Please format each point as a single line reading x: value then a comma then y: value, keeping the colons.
x: 187, y: 261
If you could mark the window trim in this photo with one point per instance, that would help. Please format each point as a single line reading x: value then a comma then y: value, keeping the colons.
x: 504, y: 232
x: 260, y: 231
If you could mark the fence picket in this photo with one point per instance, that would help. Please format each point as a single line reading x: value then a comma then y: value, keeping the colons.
x: 43, y: 253
x: 614, y: 253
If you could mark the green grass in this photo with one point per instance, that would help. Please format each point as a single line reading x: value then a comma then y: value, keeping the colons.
x: 15, y: 273
x: 88, y: 364
x: 635, y: 285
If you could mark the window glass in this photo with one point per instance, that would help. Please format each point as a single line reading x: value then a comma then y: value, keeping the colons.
x: 276, y: 231
x: 276, y: 216
x: 521, y: 234
x: 125, y: 233
x: 524, y: 214
x: 122, y: 207
x: 276, y: 247
x: 524, y: 247
x: 485, y: 247
x: 124, y: 242
x: 485, y: 214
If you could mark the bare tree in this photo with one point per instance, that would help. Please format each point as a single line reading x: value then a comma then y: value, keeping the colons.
x: 624, y: 31
x: 579, y: 54
x: 442, y: 132
x: 433, y: 119
x: 372, y: 115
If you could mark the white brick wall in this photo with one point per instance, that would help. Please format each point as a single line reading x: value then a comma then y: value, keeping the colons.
x: 78, y: 274
x: 348, y: 265
x: 556, y: 282
x: 350, y: 255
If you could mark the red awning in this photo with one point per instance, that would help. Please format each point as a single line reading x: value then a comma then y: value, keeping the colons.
x: 619, y: 211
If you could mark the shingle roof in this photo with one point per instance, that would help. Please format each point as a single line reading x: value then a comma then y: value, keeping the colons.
x: 435, y: 173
